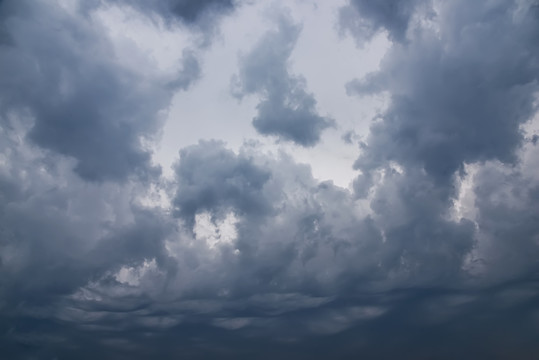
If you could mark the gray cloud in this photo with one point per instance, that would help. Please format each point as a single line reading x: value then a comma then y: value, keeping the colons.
x: 286, y: 110
x: 458, y: 96
x: 364, y: 18
x: 59, y: 232
x: 506, y: 202
x: 255, y: 257
x: 288, y: 225
x: 82, y: 103
x: 225, y: 182
x: 451, y: 104
x: 202, y: 17
x: 188, y: 11
x: 189, y: 73
x: 455, y: 97
x: 302, y: 265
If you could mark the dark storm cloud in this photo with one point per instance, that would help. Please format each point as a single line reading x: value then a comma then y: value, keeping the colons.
x: 188, y: 11
x: 287, y: 222
x: 200, y: 16
x: 507, y: 204
x: 224, y: 182
x: 189, y: 73
x: 460, y: 93
x: 64, y: 246
x: 287, y: 110
x: 304, y: 276
x: 364, y: 18
x: 5, y: 38
x: 306, y: 269
x: 58, y: 232
x: 458, y: 96
x: 455, y: 99
x: 61, y: 72
x: 298, y: 246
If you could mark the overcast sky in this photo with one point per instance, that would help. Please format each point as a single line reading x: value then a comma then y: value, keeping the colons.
x: 240, y: 179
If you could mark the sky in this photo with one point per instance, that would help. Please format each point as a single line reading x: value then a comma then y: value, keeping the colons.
x: 239, y: 179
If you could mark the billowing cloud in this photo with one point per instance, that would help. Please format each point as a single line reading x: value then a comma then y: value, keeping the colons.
x: 225, y: 182
x: 287, y: 110
x: 202, y: 17
x: 189, y: 73
x: 188, y: 11
x: 241, y: 252
x: 83, y: 103
x: 459, y: 104
x: 364, y: 18
x: 455, y: 98
x: 61, y: 74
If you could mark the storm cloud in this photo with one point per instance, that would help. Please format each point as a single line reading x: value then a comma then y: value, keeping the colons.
x: 455, y: 100
x: 79, y: 101
x: 240, y: 251
x: 287, y: 110
x: 188, y: 11
x: 365, y: 18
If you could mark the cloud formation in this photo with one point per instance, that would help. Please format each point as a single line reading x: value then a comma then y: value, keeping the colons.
x: 286, y: 110
x: 242, y: 252
x: 199, y: 16
x: 188, y: 11
x: 80, y: 101
x: 455, y: 98
x: 364, y: 18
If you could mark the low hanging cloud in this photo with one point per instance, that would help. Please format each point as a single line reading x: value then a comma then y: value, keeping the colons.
x: 364, y: 18
x: 189, y: 73
x: 242, y: 252
x: 455, y: 98
x: 188, y: 11
x: 200, y: 16
x: 287, y: 110
x: 80, y: 101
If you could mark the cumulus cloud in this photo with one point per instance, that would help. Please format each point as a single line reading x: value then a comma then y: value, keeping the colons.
x: 59, y: 232
x: 365, y: 18
x: 457, y: 97
x: 188, y: 11
x: 287, y: 110
x: 202, y: 17
x: 224, y: 182
x: 506, y: 203
x: 83, y: 103
x: 189, y: 73
x: 432, y: 253
x: 61, y: 73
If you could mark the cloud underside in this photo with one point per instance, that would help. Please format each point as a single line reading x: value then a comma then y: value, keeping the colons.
x: 432, y: 252
x: 286, y: 109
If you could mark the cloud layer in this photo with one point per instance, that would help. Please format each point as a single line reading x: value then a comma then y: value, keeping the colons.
x: 286, y: 110
x: 432, y: 252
